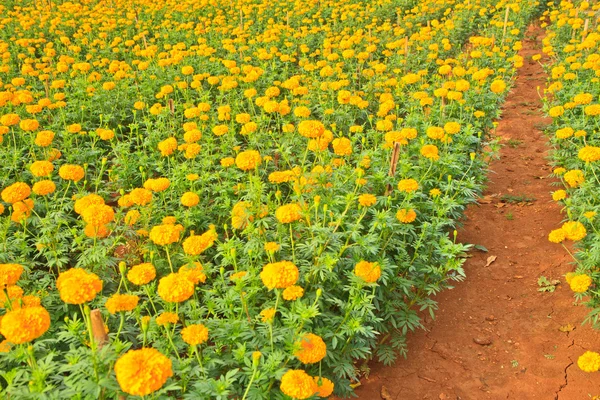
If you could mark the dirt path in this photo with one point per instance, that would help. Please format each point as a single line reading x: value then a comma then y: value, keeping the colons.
x: 528, y: 357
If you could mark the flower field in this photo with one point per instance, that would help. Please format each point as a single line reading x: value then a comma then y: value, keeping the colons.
x: 250, y: 200
x: 573, y: 43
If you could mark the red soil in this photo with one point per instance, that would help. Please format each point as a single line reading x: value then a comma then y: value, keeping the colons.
x: 533, y: 351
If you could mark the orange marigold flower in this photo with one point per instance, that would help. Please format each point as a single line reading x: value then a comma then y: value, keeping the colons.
x: 288, y: 213
x: 408, y: 185
x: 166, y: 318
x: 141, y: 274
x: 197, y: 244
x: 44, y: 138
x: 158, y: 184
x: 77, y: 286
x: 293, y: 292
x: 121, y: 302
x: 43, y: 188
x: 132, y: 217
x: 194, y: 274
x: 70, y: 172
x: 165, y: 234
x: 29, y: 124
x: 41, y: 168
x: 167, y: 146
x: 298, y: 384
x: 140, y: 196
x: 9, y: 119
x: 194, y: 334
x: 342, y: 146
x: 16, y: 192
x: 238, y: 275
x: 240, y: 215
x: 430, y: 151
x: 248, y: 160
x: 279, y: 275
x: 4, y: 345
x: 267, y: 315
x: 406, y: 216
x: 14, y: 292
x: 190, y: 199
x: 368, y: 271
x: 10, y: 274
x: 25, y: 324
x: 144, y: 371
x: 86, y: 201
x: 367, y: 200
x: 272, y: 247
x: 96, y: 231
x: 21, y: 210
x: 311, y: 129
x: 324, y: 387
x: 175, y: 288
x: 98, y: 214
x: 312, y: 349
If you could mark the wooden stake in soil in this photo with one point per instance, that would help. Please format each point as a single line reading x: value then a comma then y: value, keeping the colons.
x: 393, y: 163
x: 505, y: 24
x: 98, y: 328
x: 585, y: 29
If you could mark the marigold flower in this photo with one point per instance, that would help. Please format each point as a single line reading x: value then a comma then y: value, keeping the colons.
x: 435, y: 132
x: 406, y: 216
x: 144, y: 371
x: 272, y: 247
x: 267, y: 315
x: 4, y: 345
x: 165, y: 234
x: 574, y: 230
x: 592, y: 110
x: 293, y: 293
x: 96, y: 231
x: 10, y: 274
x: 248, y: 160
x: 141, y: 196
x: 589, y: 361
x: 452, y: 127
x: 16, y: 192
x: 557, y: 235
x: 367, y: 200
x: 279, y: 275
x: 43, y: 188
x: 41, y: 168
x: 14, y: 292
x: 368, y: 271
x: 498, y: 86
x: 29, y: 125
x: 298, y: 384
x: 158, y: 184
x: 408, y: 185
x: 194, y: 274
x: 175, y: 288
x: 342, y: 146
x: 559, y: 195
x: 78, y: 286
x: 84, y: 202
x: 194, y: 334
x: 121, y: 302
x: 166, y: 318
x: 167, y: 146
x: 288, y: 213
x: 190, y: 199
x: 311, y: 129
x: 98, y: 214
x: 312, y: 349
x: 21, y: 210
x: 71, y: 172
x: 9, y: 119
x: 197, y: 244
x: 589, y: 153
x: 141, y: 274
x: 238, y: 276
x: 44, y: 138
x: 324, y: 386
x: 580, y: 283
x: 25, y: 324
x: 435, y: 192
x: 430, y: 151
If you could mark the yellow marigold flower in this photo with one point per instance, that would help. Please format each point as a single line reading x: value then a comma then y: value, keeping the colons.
x: 41, y: 168
x: 190, y: 199
x: 175, y: 288
x: 194, y: 274
x: 44, y: 138
x: 559, y: 195
x: 324, y: 387
x: 580, y: 283
x: 16, y: 192
x: 267, y: 315
x: 452, y: 128
x: 192, y: 136
x: 227, y: 162
x: 98, y: 214
x: 564, y: 133
x: 435, y: 192
x: 589, y: 214
x: 144, y: 371
x: 298, y: 384
x: 293, y: 292
x: 589, y: 153
x: 77, y: 286
x: 132, y: 217
x: 367, y: 200
x: 43, y: 188
x: 272, y: 247
x: 408, y: 185
x: 165, y: 234
x: 140, y: 196
x: 430, y: 151
x: 592, y: 110
x: 74, y: 128
x: 238, y: 275
x: 574, y: 177
x: 240, y: 216
x: 220, y: 130
x: 406, y: 216
x: 25, y: 324
x: 167, y: 146
x: 71, y: 172
x: 368, y: 271
x: 559, y: 171
x: 197, y: 244
x: 574, y: 230
x: 312, y: 349
x: 435, y: 132
x: 248, y: 160
x: 557, y: 236
x: 121, y: 302
x: 589, y: 361
x: 187, y: 70
x: 141, y: 274
x: 556, y: 111
x: 342, y: 146
x: 498, y: 86
x: 157, y: 185
x: 302, y: 112
x: 279, y: 275
x: 194, y: 334
x: 288, y: 213
x: 311, y: 129
x: 166, y: 318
